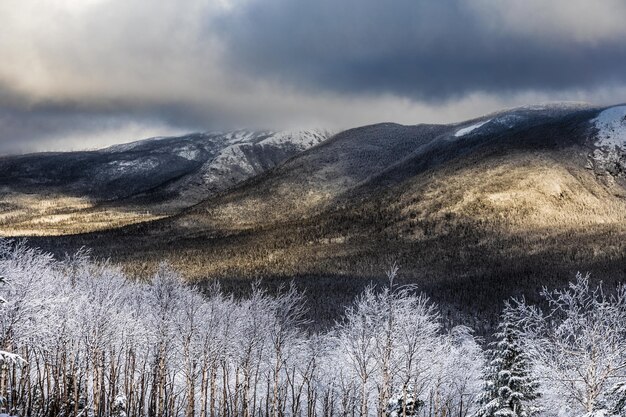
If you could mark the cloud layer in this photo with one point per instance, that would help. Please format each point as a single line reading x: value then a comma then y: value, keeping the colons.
x: 84, y: 73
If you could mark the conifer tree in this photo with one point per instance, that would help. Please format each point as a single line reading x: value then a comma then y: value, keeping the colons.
x: 510, y: 388
x: 404, y: 404
x: 618, y: 399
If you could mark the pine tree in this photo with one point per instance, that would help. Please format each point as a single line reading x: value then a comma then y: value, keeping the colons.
x: 510, y: 388
x: 404, y: 404
x: 613, y: 403
x: 618, y: 399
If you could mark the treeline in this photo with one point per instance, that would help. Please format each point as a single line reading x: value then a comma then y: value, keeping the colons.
x: 82, y: 339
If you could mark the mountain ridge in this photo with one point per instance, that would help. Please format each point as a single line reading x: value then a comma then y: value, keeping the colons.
x: 517, y: 202
x: 157, y: 177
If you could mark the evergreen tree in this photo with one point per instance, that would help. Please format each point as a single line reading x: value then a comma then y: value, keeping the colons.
x: 404, y: 404
x: 618, y: 399
x: 613, y: 403
x: 510, y: 388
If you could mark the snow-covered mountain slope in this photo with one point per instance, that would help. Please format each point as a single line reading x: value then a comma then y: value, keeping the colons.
x: 248, y: 154
x: 524, y: 116
x: 611, y: 125
x: 123, y: 171
x: 611, y: 139
x: 156, y: 177
x: 469, y: 129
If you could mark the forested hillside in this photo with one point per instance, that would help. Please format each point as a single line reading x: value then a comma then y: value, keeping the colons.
x: 481, y: 210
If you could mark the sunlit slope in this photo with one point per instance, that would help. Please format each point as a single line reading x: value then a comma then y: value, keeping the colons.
x: 310, y: 182
x: 502, y: 192
x: 536, y: 167
x: 79, y: 192
x: 473, y: 212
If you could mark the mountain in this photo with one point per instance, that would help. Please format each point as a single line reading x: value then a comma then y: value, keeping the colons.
x: 58, y: 193
x: 472, y: 212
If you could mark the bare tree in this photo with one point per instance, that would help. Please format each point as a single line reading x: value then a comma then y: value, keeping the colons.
x: 579, y: 343
x: 97, y: 343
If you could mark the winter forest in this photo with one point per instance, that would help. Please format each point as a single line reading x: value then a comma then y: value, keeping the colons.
x: 79, y: 338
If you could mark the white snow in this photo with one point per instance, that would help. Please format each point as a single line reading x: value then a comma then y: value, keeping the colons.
x: 230, y: 158
x: 611, y: 136
x: 187, y: 152
x: 303, y: 139
x: 510, y: 120
x: 611, y: 125
x: 133, y: 165
x: 233, y: 162
x: 239, y: 136
x: 469, y: 129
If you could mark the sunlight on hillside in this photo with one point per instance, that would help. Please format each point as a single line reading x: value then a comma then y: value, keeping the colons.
x: 42, y: 215
x: 519, y: 194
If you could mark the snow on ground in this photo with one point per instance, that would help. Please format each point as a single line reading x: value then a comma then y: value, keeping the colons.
x: 611, y: 136
x: 303, y: 139
x: 611, y: 125
x: 234, y: 157
x: 132, y: 165
x: 239, y: 136
x: 469, y: 129
x: 229, y: 158
x: 187, y: 152
x: 510, y: 120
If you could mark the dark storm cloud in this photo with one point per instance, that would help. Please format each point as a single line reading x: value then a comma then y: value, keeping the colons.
x: 47, y: 126
x: 427, y: 50
x: 88, y: 73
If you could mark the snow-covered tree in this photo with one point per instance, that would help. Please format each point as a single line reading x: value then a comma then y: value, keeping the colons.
x: 456, y: 374
x: 578, y: 344
x: 617, y: 399
x: 612, y: 403
x: 510, y: 386
x: 404, y: 403
x: 397, y: 353
x: 100, y: 343
x: 7, y: 357
x: 357, y: 339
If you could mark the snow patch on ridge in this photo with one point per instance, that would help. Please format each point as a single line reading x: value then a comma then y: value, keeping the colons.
x: 188, y: 152
x: 302, y: 139
x: 237, y: 162
x: 510, y: 120
x: 611, y: 139
x: 469, y: 129
x: 125, y: 147
x: 611, y: 125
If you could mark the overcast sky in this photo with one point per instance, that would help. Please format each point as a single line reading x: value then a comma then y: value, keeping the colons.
x: 78, y: 74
